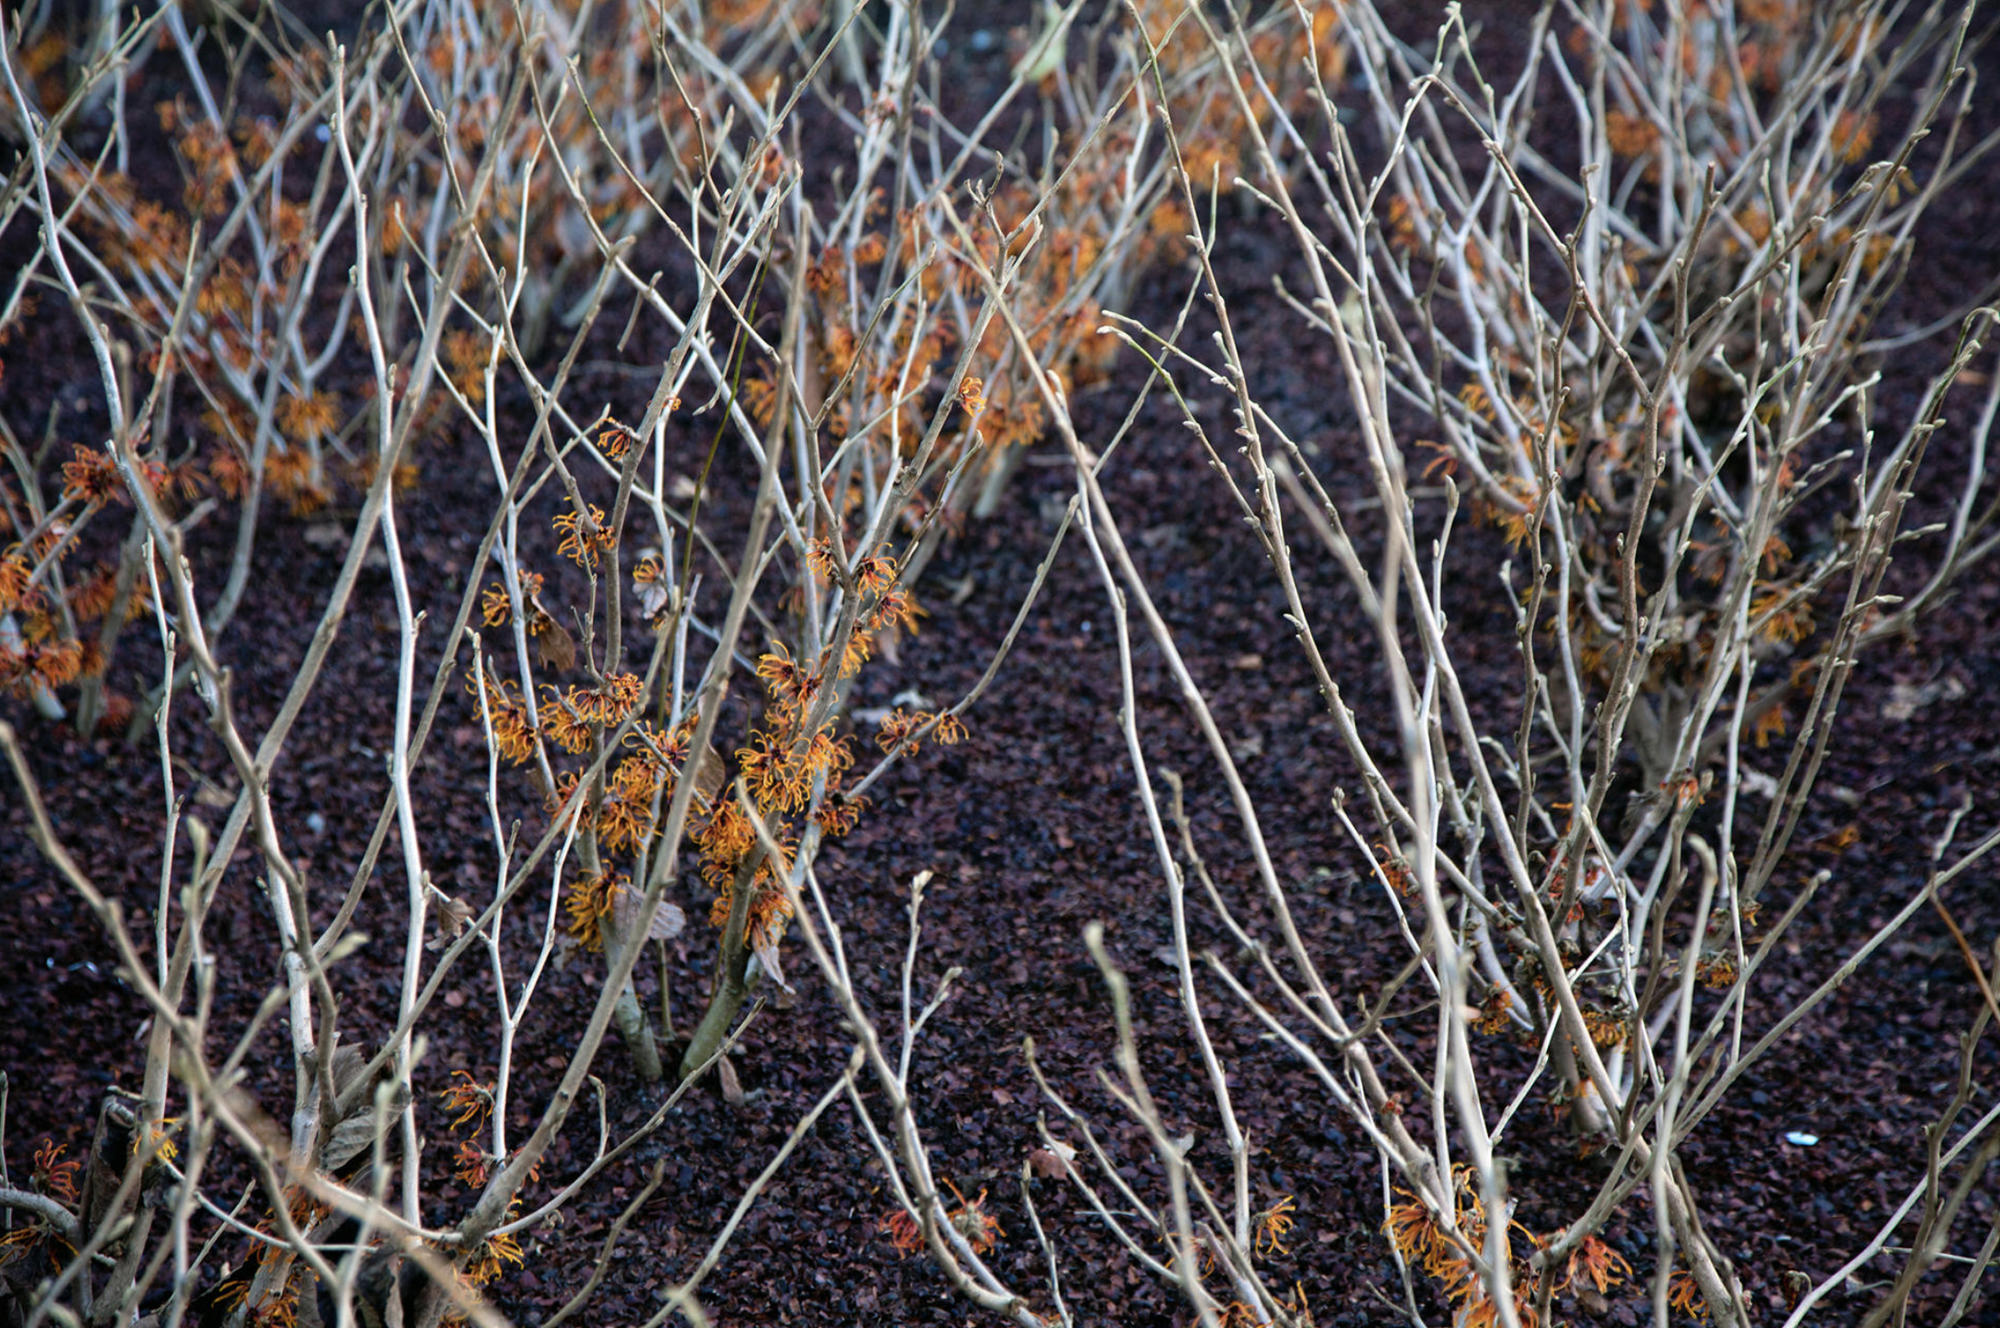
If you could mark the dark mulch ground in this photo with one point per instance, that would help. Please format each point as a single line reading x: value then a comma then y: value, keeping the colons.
x: 1033, y: 830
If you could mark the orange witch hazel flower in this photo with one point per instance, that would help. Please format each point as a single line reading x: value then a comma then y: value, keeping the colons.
x: 772, y: 773
x: 589, y: 900
x: 52, y: 1175
x: 470, y: 1163
x: 496, y: 607
x: 585, y: 535
x: 1418, y: 1233
x: 980, y: 1229
x: 615, y: 439
x: 490, y: 1261
x: 896, y: 608
x: 468, y: 1101
x: 971, y: 1220
x: 841, y: 812
x: 1273, y: 1224
x: 788, y: 680
x: 899, y: 729
x: 309, y: 416
x: 59, y: 663
x: 1414, y: 1231
x: 563, y: 723
x: 15, y: 589
x: 902, y: 1231
x: 91, y: 477
x: 610, y: 703
x: 1596, y: 1263
x: 1684, y: 1294
x: 623, y: 824
x: 972, y: 394
x: 513, y: 732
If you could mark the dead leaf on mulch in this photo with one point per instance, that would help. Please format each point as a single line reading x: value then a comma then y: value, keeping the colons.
x: 1052, y: 1163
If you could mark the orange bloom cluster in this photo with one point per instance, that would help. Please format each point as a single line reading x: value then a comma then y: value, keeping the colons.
x: 900, y: 730
x: 308, y: 417
x: 624, y: 815
x: 469, y: 1103
x: 903, y: 1231
x: 1493, y: 1011
x: 16, y: 589
x: 297, y: 477
x: 1422, y: 1240
x: 790, y: 683
x: 465, y: 354
x: 1607, y: 1028
x: 37, y: 651
x: 725, y: 839
x: 1294, y: 61
x: 489, y: 1261
x: 622, y: 823
x: 572, y: 720
x: 589, y: 900
x: 91, y: 478
x: 1684, y: 1294
x: 585, y: 536
x: 1596, y: 1263
x: 779, y: 766
x: 615, y: 439
x: 497, y: 609
x: 794, y: 763
x: 969, y: 1219
x: 507, y: 712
